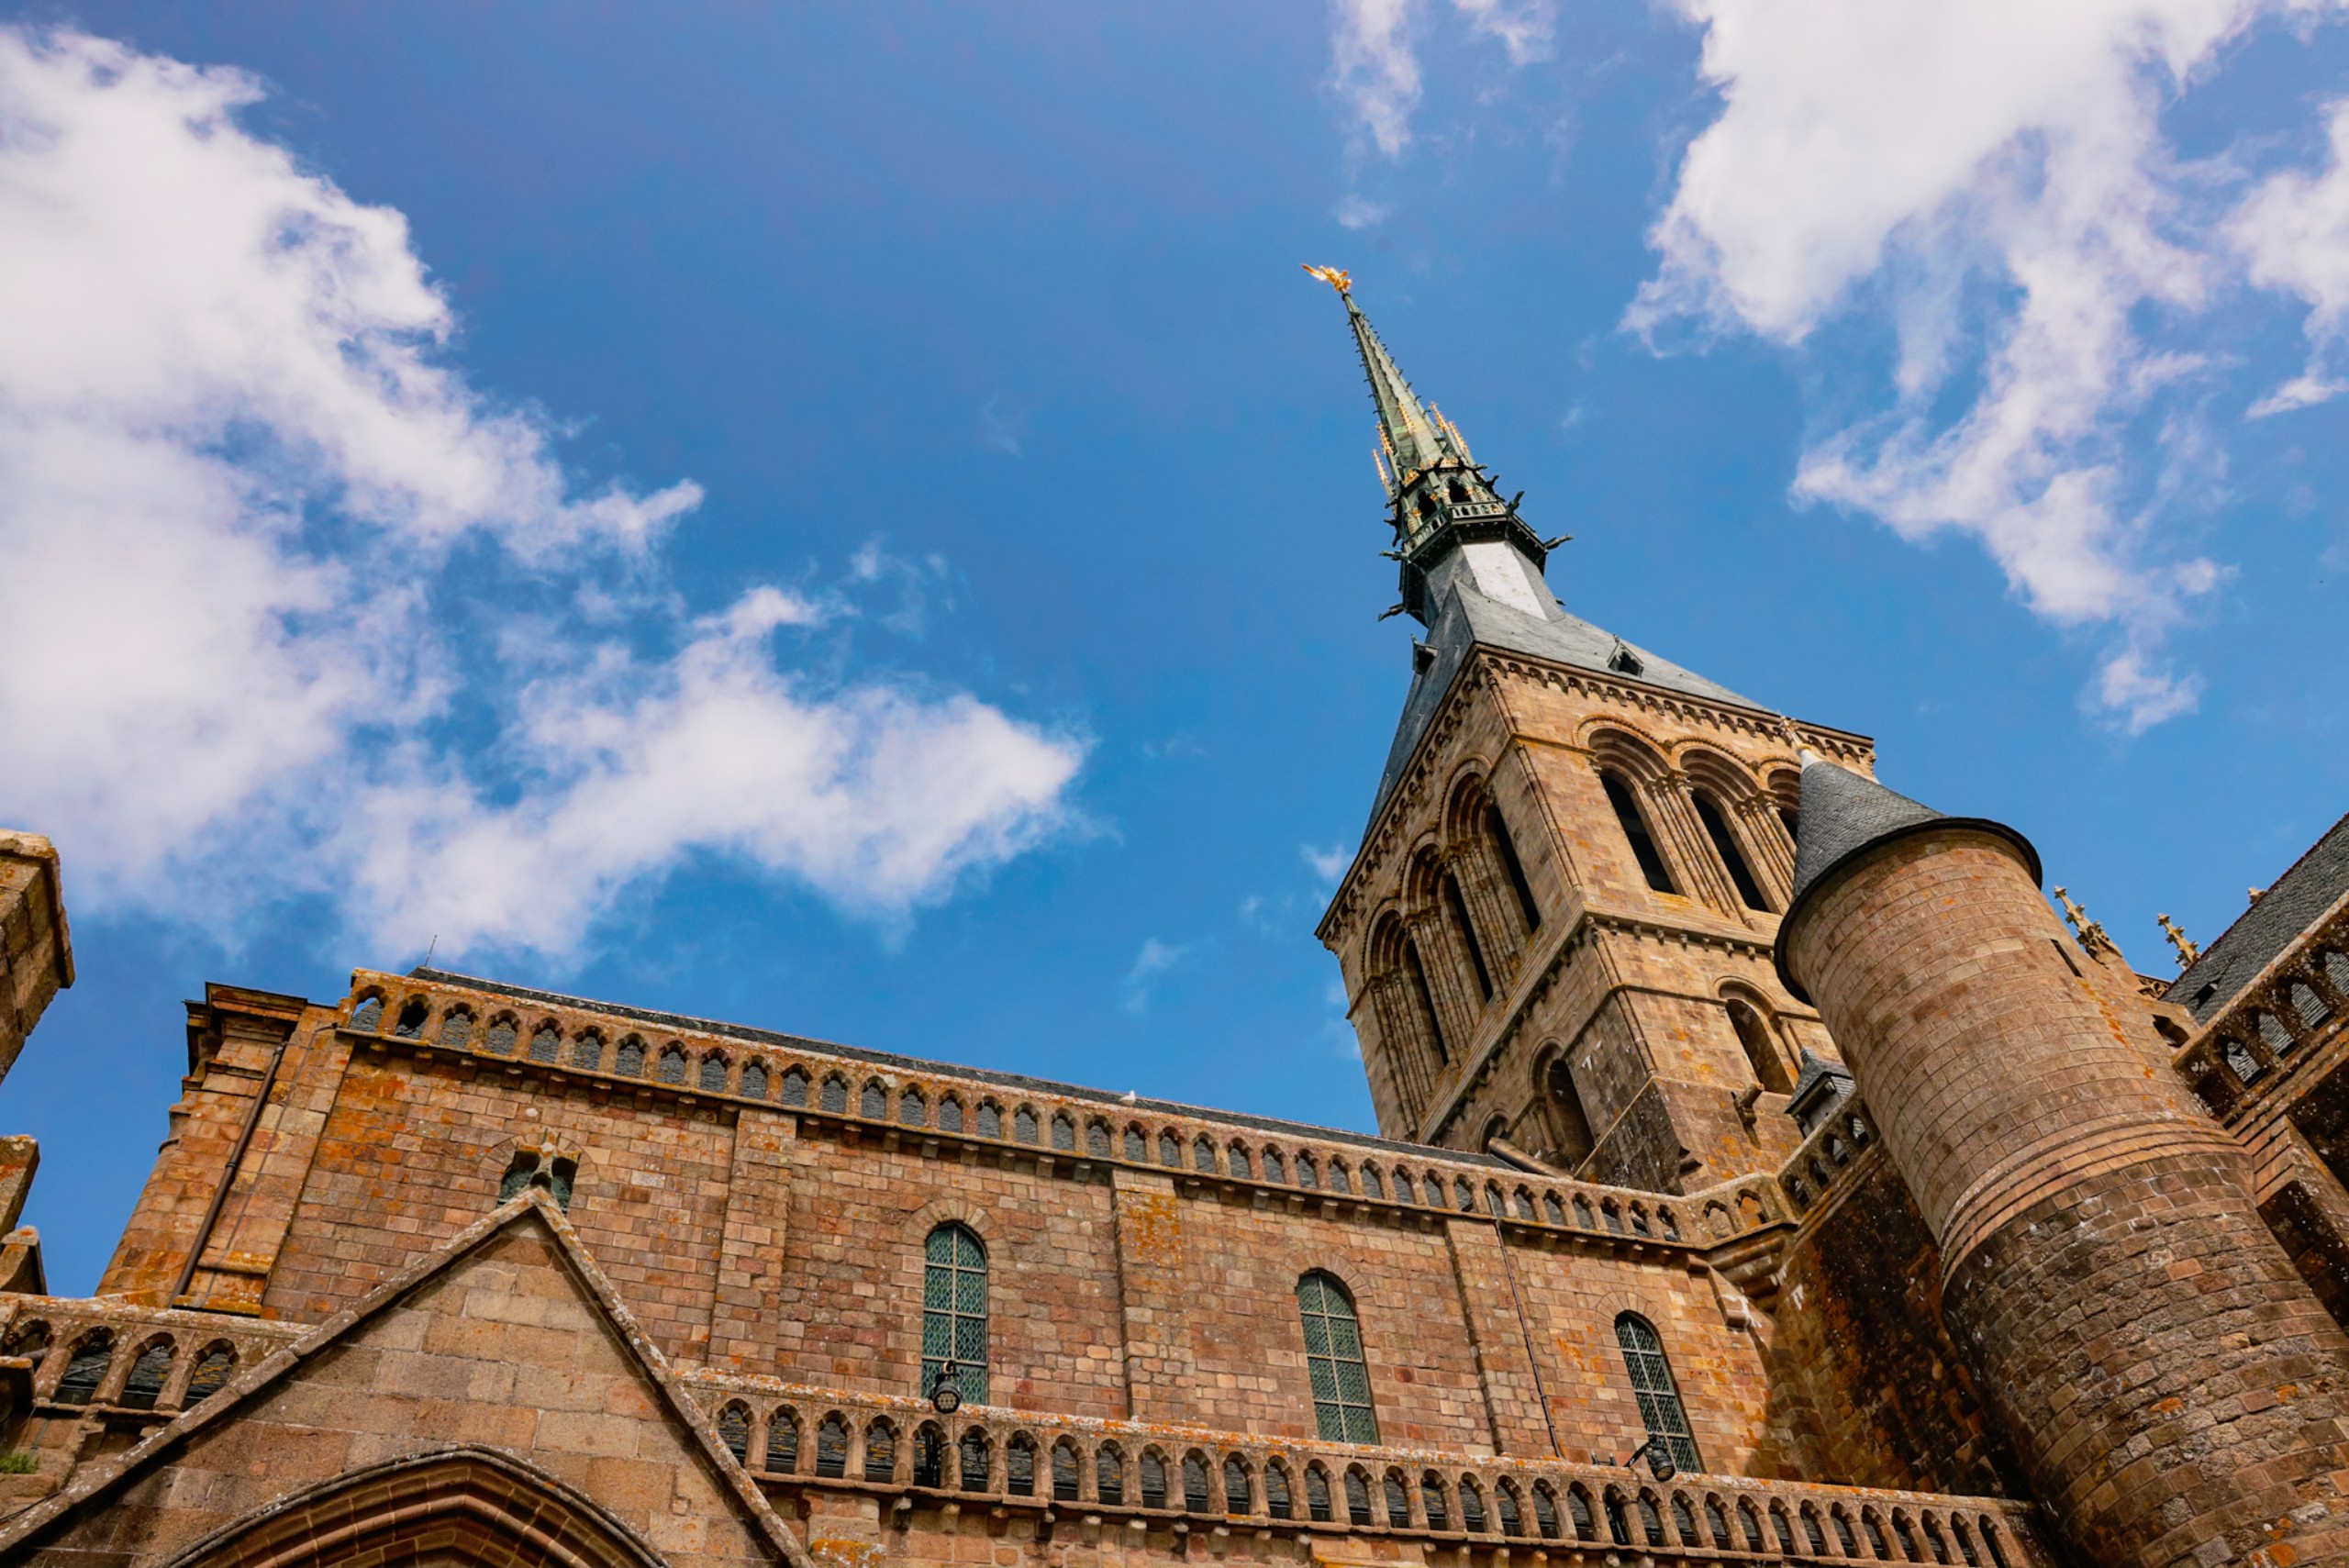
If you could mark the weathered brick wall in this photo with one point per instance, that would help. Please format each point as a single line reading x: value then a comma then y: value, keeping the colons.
x: 785, y: 1242
x: 1865, y: 1384
x: 2170, y: 1385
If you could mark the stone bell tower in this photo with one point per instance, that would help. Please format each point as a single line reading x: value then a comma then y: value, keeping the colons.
x: 1556, y: 934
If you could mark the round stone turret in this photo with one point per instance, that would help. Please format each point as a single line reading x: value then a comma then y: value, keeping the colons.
x: 2170, y: 1384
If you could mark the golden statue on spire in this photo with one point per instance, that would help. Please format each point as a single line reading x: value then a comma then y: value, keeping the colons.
x: 1343, y: 282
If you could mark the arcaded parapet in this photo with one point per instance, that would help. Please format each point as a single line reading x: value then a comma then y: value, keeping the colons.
x: 2171, y: 1387
x: 36, y: 952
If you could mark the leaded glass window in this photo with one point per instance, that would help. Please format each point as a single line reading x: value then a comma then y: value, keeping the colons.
x: 1333, y: 1362
x: 954, y: 1311
x: 1659, y: 1397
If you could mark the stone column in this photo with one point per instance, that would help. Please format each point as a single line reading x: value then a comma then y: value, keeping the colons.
x: 2173, y: 1389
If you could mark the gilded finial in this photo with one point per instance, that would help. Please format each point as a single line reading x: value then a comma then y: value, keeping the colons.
x: 2091, y: 933
x: 2186, y: 951
x: 1343, y: 282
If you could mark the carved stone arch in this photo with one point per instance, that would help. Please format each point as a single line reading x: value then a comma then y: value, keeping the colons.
x: 1464, y: 805
x: 1614, y: 745
x: 497, y: 1509
x: 1750, y: 813
x: 978, y: 1219
x: 1556, y: 1090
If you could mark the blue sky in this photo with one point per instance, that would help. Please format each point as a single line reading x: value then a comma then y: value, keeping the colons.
x: 853, y: 521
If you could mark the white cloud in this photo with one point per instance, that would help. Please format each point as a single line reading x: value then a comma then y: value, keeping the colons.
x: 1155, y: 960
x: 233, y: 465
x: 2292, y: 231
x: 1328, y: 864
x: 1992, y: 176
x: 1374, y: 64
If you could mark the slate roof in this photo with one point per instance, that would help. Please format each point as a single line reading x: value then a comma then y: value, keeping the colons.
x: 1842, y: 817
x: 1470, y: 618
x: 2312, y: 884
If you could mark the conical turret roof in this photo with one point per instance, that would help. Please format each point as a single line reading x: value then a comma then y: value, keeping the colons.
x: 1842, y: 817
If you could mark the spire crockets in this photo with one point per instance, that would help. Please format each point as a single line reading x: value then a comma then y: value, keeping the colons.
x: 1441, y: 501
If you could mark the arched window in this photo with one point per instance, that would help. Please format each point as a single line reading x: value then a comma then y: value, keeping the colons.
x: 78, y: 1382
x: 1357, y: 1497
x: 1194, y: 1483
x: 1709, y: 812
x: 456, y: 1029
x: 1278, y: 1500
x: 1635, y: 833
x: 1333, y: 1360
x: 1235, y: 1485
x: 503, y: 1032
x: 1019, y: 1465
x: 546, y: 1043
x: 629, y: 1062
x: 148, y: 1375
x: 1505, y: 850
x: 954, y: 1311
x: 713, y: 1074
x: 1068, y: 1474
x: 831, y: 1448
x: 1424, y: 998
x: 971, y: 1465
x: 913, y: 1110
x: 1456, y: 908
x: 1472, y: 1506
x: 412, y: 1017
x: 990, y: 1119
x: 782, y: 1443
x: 1316, y: 1494
x: 1064, y: 1132
x: 1137, y: 1145
x: 949, y: 1115
x: 1433, y: 1492
x: 873, y: 1104
x: 671, y: 1068
x: 880, y: 1452
x: 211, y: 1374
x: 1154, y: 1479
x: 1109, y: 1474
x: 754, y: 1080
x: 1761, y: 1049
x: 1096, y: 1139
x: 1275, y: 1169
x: 587, y: 1049
x: 368, y: 1017
x: 1659, y: 1397
x: 734, y: 1431
x: 1399, y: 1501
x: 833, y: 1097
x: 1203, y: 1153
x: 1023, y: 1124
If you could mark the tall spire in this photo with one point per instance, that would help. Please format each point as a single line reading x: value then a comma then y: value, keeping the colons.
x: 1441, y: 501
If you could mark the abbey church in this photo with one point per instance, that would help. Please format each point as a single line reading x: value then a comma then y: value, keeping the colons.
x: 1765, y: 1173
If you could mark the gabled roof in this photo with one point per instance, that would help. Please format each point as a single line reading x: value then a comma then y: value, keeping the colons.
x: 1470, y: 618
x: 2312, y: 884
x: 532, y: 1212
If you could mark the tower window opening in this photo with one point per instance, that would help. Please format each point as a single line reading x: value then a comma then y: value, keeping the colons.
x: 1709, y: 812
x: 1420, y: 993
x: 1456, y: 492
x: 1504, y: 847
x: 1455, y: 904
x: 1567, y: 1119
x: 1761, y: 1049
x: 1624, y: 662
x: 1635, y: 832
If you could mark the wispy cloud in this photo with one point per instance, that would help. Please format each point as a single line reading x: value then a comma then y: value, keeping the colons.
x: 238, y: 665
x: 1374, y: 64
x: 1328, y: 864
x: 1991, y: 183
x: 1155, y: 960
